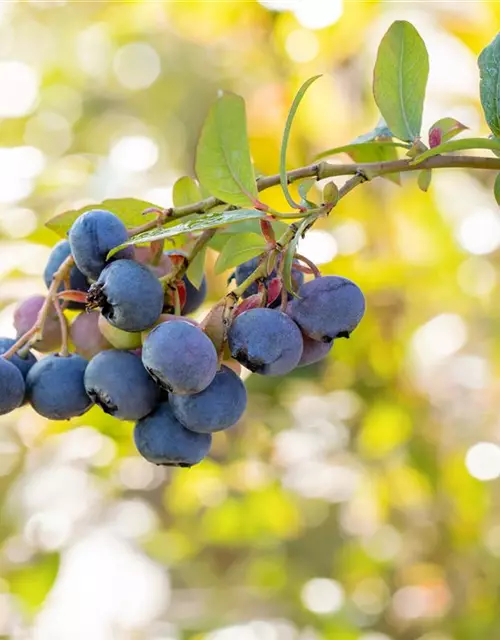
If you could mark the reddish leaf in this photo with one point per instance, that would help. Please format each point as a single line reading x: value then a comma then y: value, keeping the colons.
x: 274, y: 290
x: 73, y: 296
x: 435, y: 137
x: 267, y: 231
x: 181, y: 288
x: 252, y: 302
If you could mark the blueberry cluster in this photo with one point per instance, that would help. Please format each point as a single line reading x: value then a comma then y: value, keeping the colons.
x: 139, y: 362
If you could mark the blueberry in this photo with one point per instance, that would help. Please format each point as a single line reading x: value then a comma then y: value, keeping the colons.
x: 12, y: 387
x: 180, y: 357
x: 246, y: 268
x: 218, y: 407
x: 86, y: 335
x: 265, y: 341
x: 55, y: 387
x: 77, y: 281
x: 22, y: 359
x: 130, y: 296
x: 313, y: 351
x: 194, y: 297
x: 328, y: 307
x: 25, y: 316
x: 161, y: 439
x: 92, y: 236
x: 120, y: 385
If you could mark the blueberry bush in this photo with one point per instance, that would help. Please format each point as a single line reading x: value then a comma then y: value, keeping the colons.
x: 263, y: 321
x: 115, y: 333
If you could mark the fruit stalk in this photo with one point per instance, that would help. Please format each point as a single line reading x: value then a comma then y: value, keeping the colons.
x: 37, y: 329
x: 179, y: 270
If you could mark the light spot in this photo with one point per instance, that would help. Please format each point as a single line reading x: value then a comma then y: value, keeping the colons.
x: 133, y: 518
x: 18, y: 167
x: 471, y: 372
x: 350, y: 236
x: 93, y: 50
x: 137, y: 65
x: 279, y: 5
x: 322, y: 595
x: 134, y: 154
x: 483, y: 461
x: 439, y: 338
x: 318, y: 14
x: 19, y: 93
x: 136, y: 473
x: 477, y: 276
x: 319, y: 246
x: 18, y: 223
x: 47, y: 531
x: 411, y: 603
x: 479, y: 232
x: 302, y: 45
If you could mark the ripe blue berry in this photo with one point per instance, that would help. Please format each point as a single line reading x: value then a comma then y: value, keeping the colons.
x: 22, y: 359
x: 194, y: 297
x: 92, y: 236
x: 265, y: 341
x: 313, y: 351
x: 130, y: 296
x: 180, y: 357
x: 77, y: 281
x: 161, y: 439
x: 12, y: 387
x: 218, y: 407
x: 120, y: 385
x: 55, y: 387
x: 328, y: 307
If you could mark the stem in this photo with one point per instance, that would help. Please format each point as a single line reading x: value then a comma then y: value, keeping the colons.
x: 310, y: 264
x: 51, y: 298
x: 321, y: 170
x: 64, y: 352
x: 178, y: 272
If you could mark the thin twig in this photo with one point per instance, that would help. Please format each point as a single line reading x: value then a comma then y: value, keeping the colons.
x: 37, y: 328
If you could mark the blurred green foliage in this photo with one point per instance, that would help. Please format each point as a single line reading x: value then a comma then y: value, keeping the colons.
x: 352, y: 502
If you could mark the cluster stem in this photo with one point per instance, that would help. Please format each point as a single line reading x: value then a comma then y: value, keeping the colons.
x: 37, y: 329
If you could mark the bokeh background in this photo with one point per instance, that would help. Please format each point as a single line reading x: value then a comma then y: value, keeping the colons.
x: 358, y: 499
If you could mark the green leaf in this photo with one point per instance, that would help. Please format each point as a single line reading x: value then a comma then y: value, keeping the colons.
x: 238, y: 249
x: 381, y: 130
x: 375, y: 151
x: 286, y: 136
x: 400, y: 79
x: 496, y: 189
x: 424, y: 179
x: 31, y: 583
x: 305, y: 186
x: 193, y: 223
x: 129, y: 210
x: 223, y: 163
x: 196, y: 269
x: 445, y: 129
x: 459, y: 145
x: 247, y: 226
x: 290, y: 255
x: 185, y: 192
x: 489, y: 84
